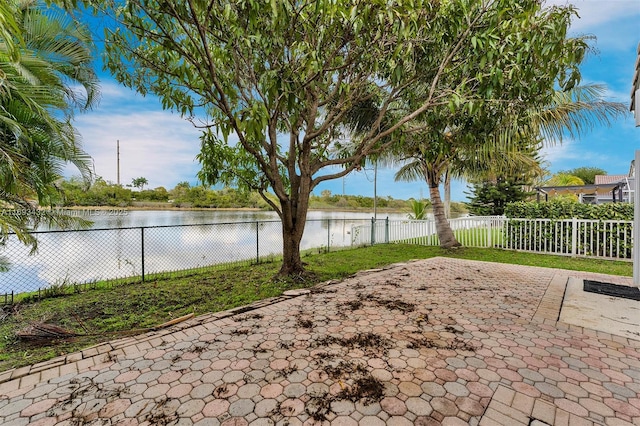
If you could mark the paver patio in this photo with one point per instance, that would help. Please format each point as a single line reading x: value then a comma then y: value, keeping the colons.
x: 437, y: 341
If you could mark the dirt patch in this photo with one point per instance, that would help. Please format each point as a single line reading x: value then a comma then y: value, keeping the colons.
x: 249, y: 317
x: 365, y: 341
x: 285, y: 372
x: 418, y: 342
x: 358, y: 385
x: 161, y: 414
x: 79, y: 389
x: 197, y: 348
x: 222, y: 391
x: 421, y: 342
x: 304, y: 323
x: 344, y: 369
x: 323, y: 355
x: 397, y: 305
x: 365, y: 389
x: 352, y: 305
x: 258, y: 350
x: 318, y: 407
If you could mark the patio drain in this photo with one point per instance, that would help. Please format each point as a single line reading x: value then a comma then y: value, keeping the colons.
x: 614, y: 290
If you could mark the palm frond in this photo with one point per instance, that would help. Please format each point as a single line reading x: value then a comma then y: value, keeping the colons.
x: 411, y: 171
x: 575, y: 112
x: 45, y: 57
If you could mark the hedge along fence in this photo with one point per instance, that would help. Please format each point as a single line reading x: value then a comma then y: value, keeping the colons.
x: 563, y: 209
x: 571, y: 228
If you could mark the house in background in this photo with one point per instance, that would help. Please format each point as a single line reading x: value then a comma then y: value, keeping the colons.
x: 605, y: 189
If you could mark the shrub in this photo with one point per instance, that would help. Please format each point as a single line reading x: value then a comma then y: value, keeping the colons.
x: 603, y: 237
x: 564, y: 209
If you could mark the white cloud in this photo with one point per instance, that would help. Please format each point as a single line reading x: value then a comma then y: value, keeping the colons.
x: 155, y: 144
x: 594, y: 13
x: 613, y: 22
x: 570, y: 154
x: 557, y: 153
x: 589, y: 153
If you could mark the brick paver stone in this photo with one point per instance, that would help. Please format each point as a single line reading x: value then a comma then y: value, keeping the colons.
x: 429, y: 342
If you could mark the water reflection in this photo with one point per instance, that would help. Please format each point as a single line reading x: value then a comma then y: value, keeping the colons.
x: 111, y: 250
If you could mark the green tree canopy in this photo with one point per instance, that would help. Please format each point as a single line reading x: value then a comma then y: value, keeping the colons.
x: 587, y: 174
x: 491, y: 198
x: 276, y: 80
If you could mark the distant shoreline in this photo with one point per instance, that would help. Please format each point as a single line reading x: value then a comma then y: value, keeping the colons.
x: 173, y: 208
x: 159, y: 208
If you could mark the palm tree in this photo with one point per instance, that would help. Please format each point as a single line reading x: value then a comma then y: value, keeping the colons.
x: 418, y: 209
x: 44, y: 57
x: 139, y: 182
x: 564, y: 179
x: 441, y: 147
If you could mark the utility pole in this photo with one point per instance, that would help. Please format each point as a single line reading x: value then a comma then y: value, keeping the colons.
x: 118, y: 159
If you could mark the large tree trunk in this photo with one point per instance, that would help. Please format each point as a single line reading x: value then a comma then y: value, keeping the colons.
x: 445, y: 233
x: 291, y: 262
x: 294, y: 219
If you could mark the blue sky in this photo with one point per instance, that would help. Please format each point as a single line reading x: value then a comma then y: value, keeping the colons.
x: 161, y: 146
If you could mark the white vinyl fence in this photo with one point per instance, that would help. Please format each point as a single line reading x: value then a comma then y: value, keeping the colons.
x: 609, y: 239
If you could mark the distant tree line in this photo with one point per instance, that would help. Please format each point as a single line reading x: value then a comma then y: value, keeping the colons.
x: 103, y: 193
x: 328, y: 200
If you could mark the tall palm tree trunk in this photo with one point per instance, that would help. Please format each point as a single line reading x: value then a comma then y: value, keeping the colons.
x: 447, y: 194
x: 443, y: 229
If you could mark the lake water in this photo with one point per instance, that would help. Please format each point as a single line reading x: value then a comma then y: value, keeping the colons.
x: 125, y: 243
x: 117, y: 218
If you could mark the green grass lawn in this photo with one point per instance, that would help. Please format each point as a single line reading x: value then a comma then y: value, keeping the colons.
x: 103, y: 312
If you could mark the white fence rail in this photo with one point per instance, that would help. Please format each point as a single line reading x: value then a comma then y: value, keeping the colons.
x: 611, y: 239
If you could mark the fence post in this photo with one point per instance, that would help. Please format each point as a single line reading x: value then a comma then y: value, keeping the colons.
x: 386, y: 230
x: 373, y: 230
x: 574, y: 236
x: 257, y: 242
x: 142, y: 248
x: 489, y: 232
x: 328, y: 234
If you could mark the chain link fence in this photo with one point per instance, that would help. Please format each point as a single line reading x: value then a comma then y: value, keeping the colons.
x: 68, y: 259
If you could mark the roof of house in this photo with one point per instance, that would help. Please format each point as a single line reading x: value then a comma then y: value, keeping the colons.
x: 603, y: 179
x: 616, y: 183
x: 602, y: 189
